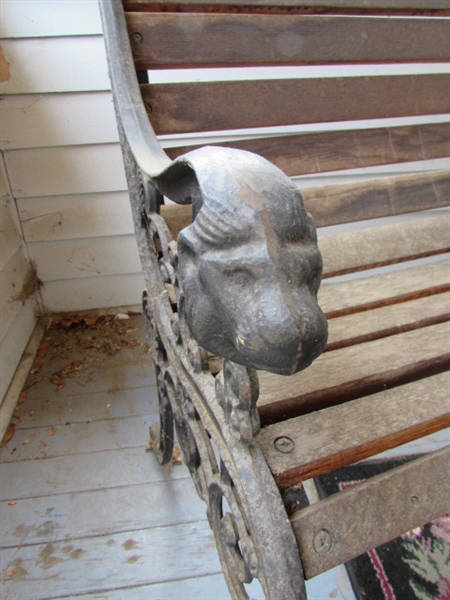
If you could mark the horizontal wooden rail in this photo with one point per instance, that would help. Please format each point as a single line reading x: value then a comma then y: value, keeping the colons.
x: 355, y: 371
x: 366, y: 293
x: 337, y: 150
x: 378, y: 246
x: 186, y: 107
x: 335, y: 437
x: 346, y: 203
x: 372, y: 513
x: 192, y: 40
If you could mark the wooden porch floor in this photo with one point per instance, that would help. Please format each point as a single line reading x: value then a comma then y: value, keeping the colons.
x: 85, y: 510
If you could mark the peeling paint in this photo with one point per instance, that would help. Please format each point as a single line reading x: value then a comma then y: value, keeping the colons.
x: 5, y: 71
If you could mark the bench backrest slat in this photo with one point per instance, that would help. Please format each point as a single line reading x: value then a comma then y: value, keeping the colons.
x: 193, y: 40
x: 337, y: 150
x: 213, y: 106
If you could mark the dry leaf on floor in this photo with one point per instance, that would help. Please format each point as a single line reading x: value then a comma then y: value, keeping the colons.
x: 25, y: 442
x: 51, y: 431
x: 22, y: 397
x: 12, y: 503
x: 56, y: 380
x: 8, y: 435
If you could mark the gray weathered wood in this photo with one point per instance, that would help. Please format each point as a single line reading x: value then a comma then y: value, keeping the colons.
x: 95, y: 512
x: 83, y: 472
x: 330, y: 439
x: 368, y: 248
x: 355, y: 371
x: 346, y: 297
x: 387, y: 320
x: 374, y: 512
x: 109, y: 562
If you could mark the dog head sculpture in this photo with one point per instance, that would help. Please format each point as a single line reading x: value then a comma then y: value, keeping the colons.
x: 249, y: 263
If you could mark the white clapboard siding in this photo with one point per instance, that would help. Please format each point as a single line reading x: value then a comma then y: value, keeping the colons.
x: 28, y: 18
x: 12, y: 292
x: 46, y: 120
x: 17, y: 312
x: 66, y: 170
x: 63, y: 64
x: 48, y: 219
x: 93, y: 292
x: 10, y: 239
x: 14, y: 343
x: 92, y: 257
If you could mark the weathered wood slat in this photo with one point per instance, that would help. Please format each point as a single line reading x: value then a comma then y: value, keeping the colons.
x: 345, y: 203
x: 95, y: 512
x: 366, y: 293
x: 336, y: 150
x: 130, y: 558
x: 367, y: 248
x: 180, y: 108
x: 341, y: 435
x: 355, y: 371
x: 181, y: 40
x: 83, y: 472
x: 387, y: 320
x: 51, y: 410
x: 339, y: 4
x: 374, y: 512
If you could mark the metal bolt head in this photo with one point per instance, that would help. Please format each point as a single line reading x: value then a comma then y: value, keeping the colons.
x: 136, y: 38
x: 284, y: 444
x: 323, y: 541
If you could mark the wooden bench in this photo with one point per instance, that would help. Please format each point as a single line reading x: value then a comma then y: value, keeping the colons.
x: 374, y: 69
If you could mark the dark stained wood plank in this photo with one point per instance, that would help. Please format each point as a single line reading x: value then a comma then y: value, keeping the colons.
x: 355, y: 371
x: 346, y: 203
x: 375, y: 198
x: 335, y: 150
x: 374, y: 512
x: 335, y: 437
x: 378, y: 246
x: 183, y: 108
x: 367, y: 293
x: 389, y: 320
x: 186, y: 40
x: 320, y: 4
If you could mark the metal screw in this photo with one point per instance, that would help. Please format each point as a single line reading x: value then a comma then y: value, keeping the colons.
x: 284, y: 444
x: 136, y: 38
x: 323, y: 542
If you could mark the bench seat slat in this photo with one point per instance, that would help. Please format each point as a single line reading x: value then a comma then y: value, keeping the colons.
x: 387, y: 320
x: 374, y: 512
x: 191, y: 40
x: 337, y: 150
x: 182, y: 108
x: 354, y: 371
x: 378, y: 246
x: 341, y: 435
x: 366, y: 293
